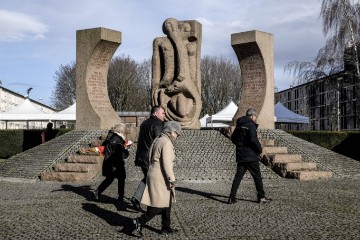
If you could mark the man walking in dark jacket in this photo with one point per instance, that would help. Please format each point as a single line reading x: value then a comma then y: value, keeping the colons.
x: 150, y: 129
x: 248, y: 149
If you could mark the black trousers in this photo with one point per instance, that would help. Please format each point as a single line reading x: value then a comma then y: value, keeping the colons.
x: 254, y: 169
x: 145, y: 171
x: 108, y: 180
x: 151, y: 212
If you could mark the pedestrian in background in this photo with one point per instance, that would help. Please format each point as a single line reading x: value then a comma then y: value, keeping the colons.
x: 48, y: 133
x: 149, y: 130
x: 248, y: 149
x: 160, y: 181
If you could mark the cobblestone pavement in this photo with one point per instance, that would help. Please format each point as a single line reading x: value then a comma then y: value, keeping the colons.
x: 323, y: 209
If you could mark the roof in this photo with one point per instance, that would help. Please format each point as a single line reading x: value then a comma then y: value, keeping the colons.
x: 284, y: 115
x: 25, y: 111
x: 22, y: 96
x: 68, y: 114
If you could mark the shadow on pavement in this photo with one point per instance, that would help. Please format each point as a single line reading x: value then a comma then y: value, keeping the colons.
x: 84, y: 191
x: 87, y: 192
x: 113, y: 219
x: 204, y: 194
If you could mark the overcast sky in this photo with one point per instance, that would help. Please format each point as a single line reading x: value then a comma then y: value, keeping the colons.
x: 37, y: 36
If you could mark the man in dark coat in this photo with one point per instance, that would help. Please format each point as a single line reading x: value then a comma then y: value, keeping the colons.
x: 115, y: 153
x: 150, y: 129
x: 248, y: 149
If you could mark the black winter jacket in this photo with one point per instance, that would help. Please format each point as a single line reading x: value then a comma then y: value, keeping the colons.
x: 114, y: 156
x: 150, y: 129
x: 245, y: 138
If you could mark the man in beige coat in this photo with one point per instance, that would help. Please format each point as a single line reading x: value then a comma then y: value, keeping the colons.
x: 160, y: 182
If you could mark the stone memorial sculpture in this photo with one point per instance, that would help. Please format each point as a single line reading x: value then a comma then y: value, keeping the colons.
x: 94, y: 50
x: 255, y: 52
x: 176, y: 80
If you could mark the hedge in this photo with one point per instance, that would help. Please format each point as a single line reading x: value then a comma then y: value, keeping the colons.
x: 13, y: 142
x: 344, y: 143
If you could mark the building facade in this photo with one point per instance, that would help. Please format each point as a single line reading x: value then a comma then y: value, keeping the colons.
x: 331, y: 103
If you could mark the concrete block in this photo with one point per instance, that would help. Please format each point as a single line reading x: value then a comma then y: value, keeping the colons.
x: 77, y: 167
x: 274, y: 150
x: 84, y: 159
x: 309, y: 175
x: 68, y: 176
x: 285, y: 158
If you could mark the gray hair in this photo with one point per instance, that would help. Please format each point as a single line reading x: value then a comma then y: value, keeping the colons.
x: 119, y: 128
x: 251, y: 112
x: 172, y: 126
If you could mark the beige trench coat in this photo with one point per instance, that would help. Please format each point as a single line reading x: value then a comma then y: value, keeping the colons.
x: 160, y: 174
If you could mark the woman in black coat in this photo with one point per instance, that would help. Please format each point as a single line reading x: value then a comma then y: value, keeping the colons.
x: 114, y: 165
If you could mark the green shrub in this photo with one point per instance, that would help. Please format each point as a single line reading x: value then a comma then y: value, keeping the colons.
x: 13, y: 142
x: 345, y: 143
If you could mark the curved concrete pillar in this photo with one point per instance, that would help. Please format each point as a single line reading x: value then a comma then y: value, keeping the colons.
x: 94, y: 50
x: 255, y: 52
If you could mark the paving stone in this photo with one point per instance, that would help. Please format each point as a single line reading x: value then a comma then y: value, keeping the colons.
x: 323, y: 209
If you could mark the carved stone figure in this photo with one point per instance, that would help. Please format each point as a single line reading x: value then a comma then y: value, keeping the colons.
x: 176, y: 80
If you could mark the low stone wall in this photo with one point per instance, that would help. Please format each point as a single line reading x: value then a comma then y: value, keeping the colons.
x: 200, y: 155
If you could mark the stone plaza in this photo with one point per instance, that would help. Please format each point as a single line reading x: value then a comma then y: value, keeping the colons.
x: 322, y: 209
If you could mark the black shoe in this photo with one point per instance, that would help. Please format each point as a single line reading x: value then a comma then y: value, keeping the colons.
x: 232, y: 200
x: 169, y: 230
x: 136, y: 204
x: 264, y: 200
x: 138, y: 227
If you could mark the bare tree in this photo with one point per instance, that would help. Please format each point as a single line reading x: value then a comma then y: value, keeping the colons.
x: 341, y: 26
x: 64, y: 94
x: 341, y: 19
x: 128, y: 84
x: 144, y: 81
x: 341, y: 23
x: 221, y: 83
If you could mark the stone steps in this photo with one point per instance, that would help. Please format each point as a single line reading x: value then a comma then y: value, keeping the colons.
x: 275, y: 150
x: 283, y: 168
x: 83, y: 158
x: 68, y: 176
x: 285, y: 158
x: 267, y: 142
x: 289, y: 165
x: 309, y: 175
x: 77, y: 168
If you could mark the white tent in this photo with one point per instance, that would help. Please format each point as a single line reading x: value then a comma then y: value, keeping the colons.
x: 203, y: 120
x: 68, y: 114
x: 222, y: 118
x: 25, y: 112
x: 284, y: 115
